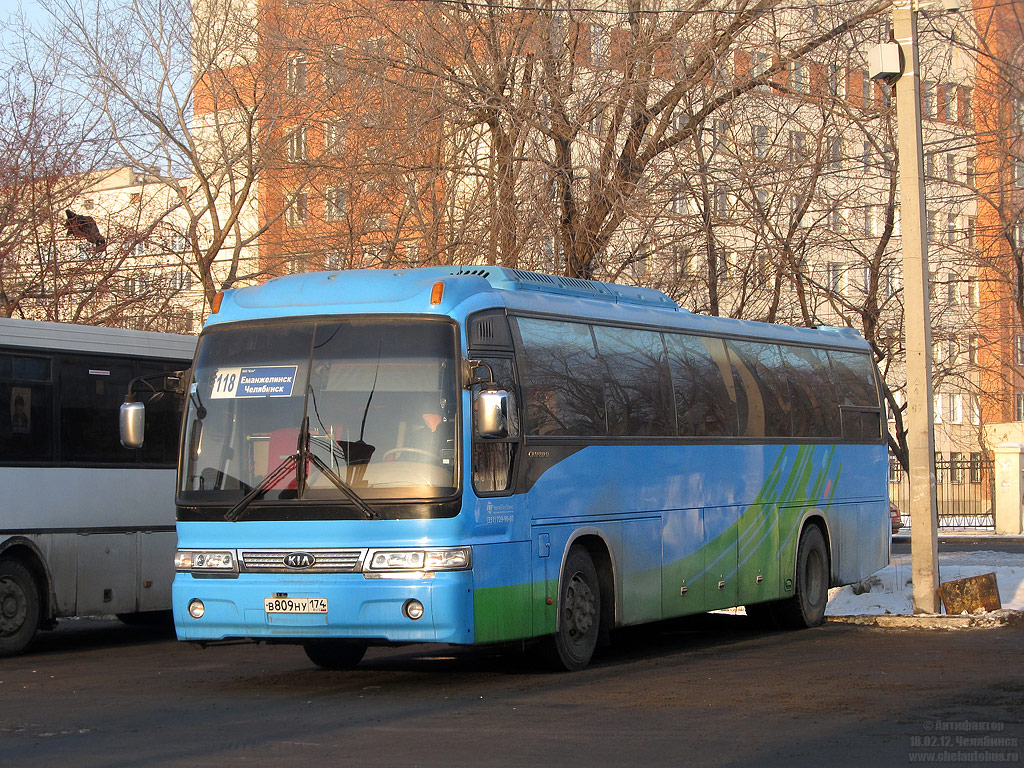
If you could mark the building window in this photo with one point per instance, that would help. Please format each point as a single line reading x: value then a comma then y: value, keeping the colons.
x: 797, y: 146
x: 1017, y: 110
x: 334, y: 68
x: 721, y: 203
x: 834, y: 277
x: 720, y: 135
x: 296, y: 142
x: 928, y: 99
x: 298, y: 209
x: 950, y: 167
x: 835, y: 81
x: 950, y: 113
x: 1018, y: 172
x: 759, y: 136
x: 972, y: 349
x: 799, y: 80
x: 954, y: 408
x: 972, y: 178
x: 295, y: 74
x: 599, y: 44
x: 835, y: 153
x: 1018, y: 411
x: 760, y: 64
x: 975, y: 471
x: 335, y: 204
x: 975, y: 409
x: 334, y: 138
x: 1018, y: 356
x: 334, y: 260
x: 956, y: 467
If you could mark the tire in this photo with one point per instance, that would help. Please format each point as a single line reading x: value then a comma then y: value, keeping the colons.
x: 806, y: 608
x: 335, y: 654
x: 579, y: 614
x: 19, y: 607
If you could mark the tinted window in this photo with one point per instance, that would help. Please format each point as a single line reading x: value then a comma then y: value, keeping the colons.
x: 858, y: 397
x: 26, y: 430
x: 163, y: 417
x: 815, y: 410
x: 855, y: 379
x: 562, y: 379
x: 91, y: 394
x: 759, y: 367
x: 493, y: 459
x: 637, y: 387
x: 704, y: 388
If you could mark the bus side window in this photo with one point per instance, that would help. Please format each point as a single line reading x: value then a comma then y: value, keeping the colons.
x: 705, y: 401
x: 563, y: 379
x: 759, y: 366
x: 493, y: 461
x: 810, y: 381
x: 26, y: 392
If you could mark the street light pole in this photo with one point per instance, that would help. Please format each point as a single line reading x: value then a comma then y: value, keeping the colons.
x: 924, y: 547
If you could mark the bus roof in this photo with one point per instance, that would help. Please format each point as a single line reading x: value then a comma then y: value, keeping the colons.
x: 475, y: 287
x: 95, y: 339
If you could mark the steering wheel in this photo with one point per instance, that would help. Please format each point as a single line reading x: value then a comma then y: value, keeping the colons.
x: 420, y: 451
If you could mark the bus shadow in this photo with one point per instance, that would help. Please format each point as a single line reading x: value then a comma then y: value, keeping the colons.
x: 78, y: 634
x: 674, y: 637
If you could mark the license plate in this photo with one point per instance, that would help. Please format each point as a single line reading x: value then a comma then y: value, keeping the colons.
x: 295, y: 605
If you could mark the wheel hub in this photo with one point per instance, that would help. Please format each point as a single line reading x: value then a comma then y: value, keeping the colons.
x: 13, y: 607
x: 579, y: 607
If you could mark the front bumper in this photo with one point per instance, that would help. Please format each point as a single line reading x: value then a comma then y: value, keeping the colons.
x: 357, y: 607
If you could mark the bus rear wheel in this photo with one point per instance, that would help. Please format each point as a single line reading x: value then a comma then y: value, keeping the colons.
x: 19, y: 607
x: 335, y: 654
x: 579, y: 613
x: 806, y: 608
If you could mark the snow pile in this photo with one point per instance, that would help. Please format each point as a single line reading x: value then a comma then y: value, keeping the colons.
x: 890, y: 590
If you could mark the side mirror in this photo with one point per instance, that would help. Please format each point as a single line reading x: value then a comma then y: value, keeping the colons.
x: 133, y: 424
x: 491, y: 408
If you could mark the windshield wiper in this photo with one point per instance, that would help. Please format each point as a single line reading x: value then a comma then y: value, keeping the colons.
x: 269, y: 479
x: 334, y: 477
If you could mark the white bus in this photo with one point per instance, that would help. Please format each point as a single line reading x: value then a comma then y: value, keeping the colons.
x: 86, y: 525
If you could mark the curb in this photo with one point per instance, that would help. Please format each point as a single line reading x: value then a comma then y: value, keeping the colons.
x: 1001, y: 618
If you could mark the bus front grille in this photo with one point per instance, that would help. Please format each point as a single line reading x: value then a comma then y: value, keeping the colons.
x: 304, y: 560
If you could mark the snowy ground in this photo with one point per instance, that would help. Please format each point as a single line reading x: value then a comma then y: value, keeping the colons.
x: 890, y: 590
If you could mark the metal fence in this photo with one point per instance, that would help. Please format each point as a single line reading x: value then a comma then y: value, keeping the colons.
x: 965, y: 493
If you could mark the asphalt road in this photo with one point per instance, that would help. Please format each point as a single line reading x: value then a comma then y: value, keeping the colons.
x: 706, y: 691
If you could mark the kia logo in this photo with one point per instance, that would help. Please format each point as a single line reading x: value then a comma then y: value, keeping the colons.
x: 299, y: 560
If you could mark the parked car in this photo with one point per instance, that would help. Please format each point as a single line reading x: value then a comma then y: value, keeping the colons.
x: 894, y: 517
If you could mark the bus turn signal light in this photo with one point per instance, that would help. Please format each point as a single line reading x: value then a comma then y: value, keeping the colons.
x: 437, y: 293
x: 215, y: 306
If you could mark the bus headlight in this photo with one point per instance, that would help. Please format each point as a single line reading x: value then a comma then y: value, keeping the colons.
x: 421, y: 560
x: 201, y: 561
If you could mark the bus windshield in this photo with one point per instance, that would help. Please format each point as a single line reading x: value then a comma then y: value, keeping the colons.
x: 368, y: 404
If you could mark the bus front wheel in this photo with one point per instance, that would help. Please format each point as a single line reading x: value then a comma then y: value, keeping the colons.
x: 334, y: 654
x: 806, y: 608
x: 19, y: 607
x: 579, y: 613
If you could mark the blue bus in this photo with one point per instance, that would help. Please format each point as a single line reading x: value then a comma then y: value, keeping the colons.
x: 479, y: 454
